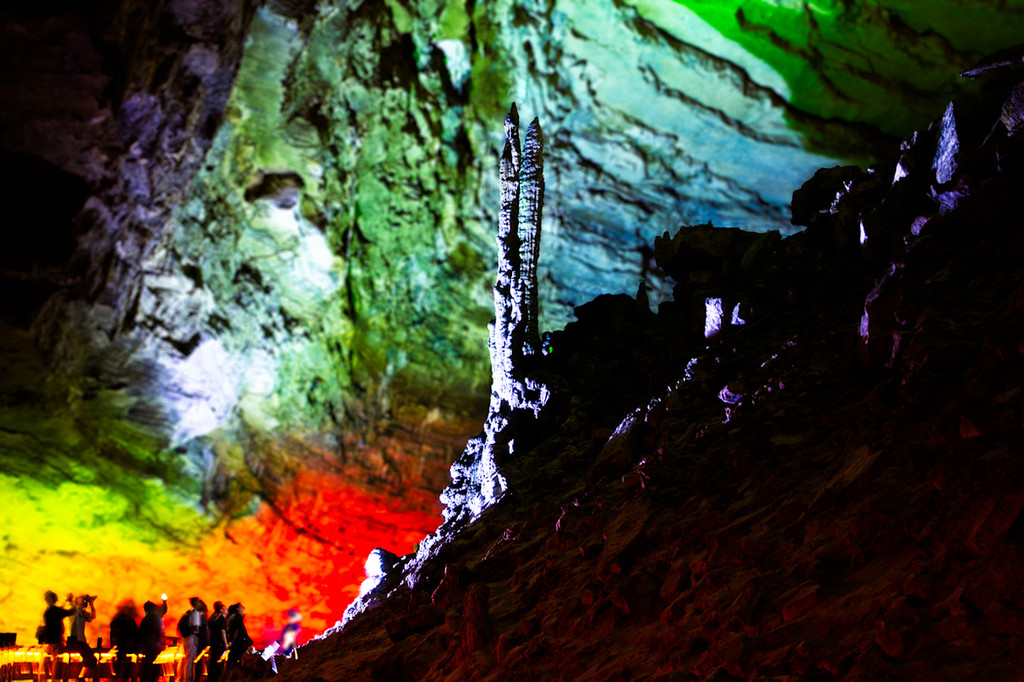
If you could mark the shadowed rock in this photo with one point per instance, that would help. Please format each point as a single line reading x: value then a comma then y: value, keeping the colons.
x: 282, y: 188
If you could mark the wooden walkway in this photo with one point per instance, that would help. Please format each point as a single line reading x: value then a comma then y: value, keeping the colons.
x: 29, y: 663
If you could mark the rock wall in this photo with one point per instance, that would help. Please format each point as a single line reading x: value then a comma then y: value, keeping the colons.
x: 362, y: 299
x: 221, y: 269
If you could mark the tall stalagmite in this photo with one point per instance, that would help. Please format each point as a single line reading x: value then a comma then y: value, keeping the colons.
x: 517, y: 395
x: 513, y: 335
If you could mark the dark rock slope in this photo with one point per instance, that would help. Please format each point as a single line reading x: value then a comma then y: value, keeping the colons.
x: 824, y: 485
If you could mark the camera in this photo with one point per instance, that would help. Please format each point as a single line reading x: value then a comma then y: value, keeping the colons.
x: 83, y: 600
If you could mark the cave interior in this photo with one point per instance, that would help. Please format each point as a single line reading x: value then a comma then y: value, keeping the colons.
x: 278, y: 327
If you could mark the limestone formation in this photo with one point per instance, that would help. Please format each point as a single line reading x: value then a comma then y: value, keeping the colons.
x: 513, y: 334
x: 158, y: 325
x: 517, y: 395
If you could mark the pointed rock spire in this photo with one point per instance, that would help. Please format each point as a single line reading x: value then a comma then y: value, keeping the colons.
x: 477, y: 481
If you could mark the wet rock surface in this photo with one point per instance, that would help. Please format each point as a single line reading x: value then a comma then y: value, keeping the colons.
x: 828, y: 489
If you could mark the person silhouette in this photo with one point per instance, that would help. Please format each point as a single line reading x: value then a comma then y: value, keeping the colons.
x: 218, y: 641
x: 124, y: 636
x: 151, y: 639
x: 238, y: 636
x: 52, y: 633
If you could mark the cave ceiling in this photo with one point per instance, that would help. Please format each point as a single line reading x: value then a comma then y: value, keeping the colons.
x: 250, y: 248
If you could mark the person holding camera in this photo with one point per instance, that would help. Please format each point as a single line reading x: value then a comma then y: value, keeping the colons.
x: 83, y: 610
x: 52, y: 630
x: 80, y: 615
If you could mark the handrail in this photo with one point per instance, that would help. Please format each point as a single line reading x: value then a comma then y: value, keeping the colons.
x: 30, y: 662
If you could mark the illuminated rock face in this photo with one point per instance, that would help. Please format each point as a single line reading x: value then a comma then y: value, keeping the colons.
x: 516, y: 393
x: 784, y: 505
x: 657, y: 114
x: 517, y: 396
x: 230, y: 279
x: 351, y: 302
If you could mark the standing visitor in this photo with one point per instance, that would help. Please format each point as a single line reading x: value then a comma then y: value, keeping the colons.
x: 290, y: 634
x: 202, y: 635
x: 218, y: 641
x: 124, y: 636
x: 188, y: 629
x: 52, y: 633
x: 83, y: 611
x: 151, y: 638
x: 287, y: 645
x: 238, y: 637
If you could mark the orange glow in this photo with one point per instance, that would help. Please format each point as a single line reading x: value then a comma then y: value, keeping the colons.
x: 22, y: 662
x: 306, y: 552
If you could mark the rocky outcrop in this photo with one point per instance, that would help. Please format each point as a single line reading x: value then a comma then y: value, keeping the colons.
x: 783, y: 504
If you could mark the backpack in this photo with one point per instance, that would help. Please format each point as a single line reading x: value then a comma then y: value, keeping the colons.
x: 184, y: 628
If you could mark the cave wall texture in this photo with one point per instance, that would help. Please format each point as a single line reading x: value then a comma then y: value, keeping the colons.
x: 249, y: 246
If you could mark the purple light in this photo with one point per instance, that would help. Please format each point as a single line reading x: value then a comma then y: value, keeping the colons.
x: 712, y: 317
x: 917, y: 225
x: 730, y: 397
x: 737, y: 321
